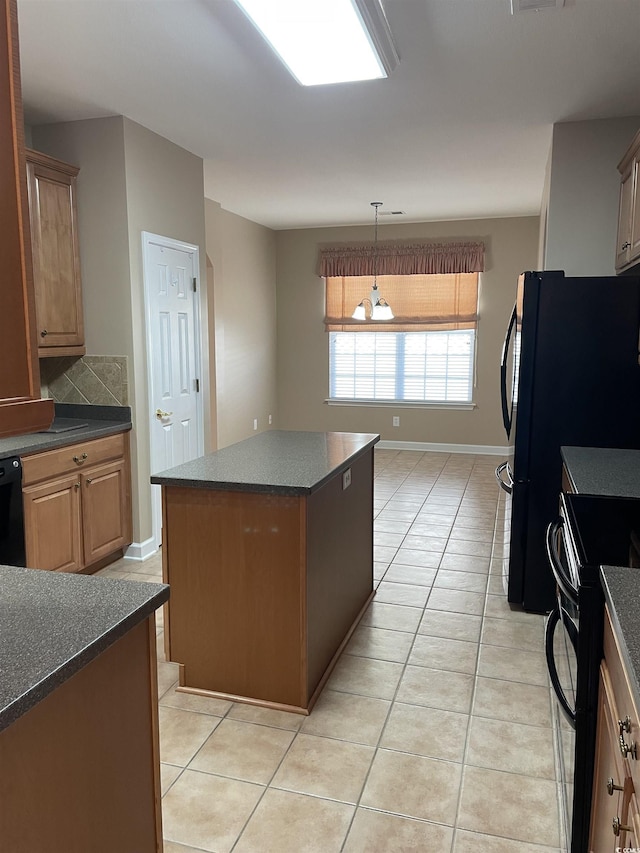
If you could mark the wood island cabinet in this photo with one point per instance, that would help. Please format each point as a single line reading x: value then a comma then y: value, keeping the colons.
x: 615, y: 814
x: 628, y: 246
x: 77, y: 504
x: 56, y: 257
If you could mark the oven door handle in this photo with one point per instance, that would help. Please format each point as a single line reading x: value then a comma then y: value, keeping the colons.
x: 560, y: 616
x: 506, y: 485
x: 554, y: 530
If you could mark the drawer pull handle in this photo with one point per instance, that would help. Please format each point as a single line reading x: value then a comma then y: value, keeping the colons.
x: 80, y: 459
x: 611, y: 787
x: 620, y: 827
x: 624, y: 725
x: 626, y: 748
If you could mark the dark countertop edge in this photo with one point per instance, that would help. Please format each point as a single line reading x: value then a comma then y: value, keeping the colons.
x: 51, y: 441
x: 597, y: 471
x: 39, y: 691
x: 619, y: 631
x: 262, y: 488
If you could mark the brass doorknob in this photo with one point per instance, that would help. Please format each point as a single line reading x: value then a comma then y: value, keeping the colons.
x: 160, y: 414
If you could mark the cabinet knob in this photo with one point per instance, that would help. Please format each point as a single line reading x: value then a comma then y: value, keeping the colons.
x: 625, y: 245
x: 89, y: 481
x: 76, y: 486
x: 620, y: 827
x: 80, y: 459
x: 626, y: 748
x: 44, y: 333
x: 611, y: 786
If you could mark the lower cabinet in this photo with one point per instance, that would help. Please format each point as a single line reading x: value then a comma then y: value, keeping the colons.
x: 615, y: 815
x: 77, y: 504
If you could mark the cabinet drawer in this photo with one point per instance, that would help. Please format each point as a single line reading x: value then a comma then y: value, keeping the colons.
x: 624, y: 704
x: 73, y: 457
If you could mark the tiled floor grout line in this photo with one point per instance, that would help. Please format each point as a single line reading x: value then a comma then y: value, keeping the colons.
x: 389, y: 710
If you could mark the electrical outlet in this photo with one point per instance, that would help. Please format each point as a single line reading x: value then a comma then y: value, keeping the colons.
x: 346, y: 479
x: 396, y: 420
x: 270, y: 419
x: 255, y: 423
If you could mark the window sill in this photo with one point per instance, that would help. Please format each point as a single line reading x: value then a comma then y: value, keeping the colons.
x: 401, y: 404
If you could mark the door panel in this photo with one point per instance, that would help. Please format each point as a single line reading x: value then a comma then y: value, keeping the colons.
x: 52, y: 525
x: 176, y: 418
x: 104, y: 510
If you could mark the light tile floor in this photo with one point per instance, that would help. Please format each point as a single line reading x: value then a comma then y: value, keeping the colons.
x: 433, y: 732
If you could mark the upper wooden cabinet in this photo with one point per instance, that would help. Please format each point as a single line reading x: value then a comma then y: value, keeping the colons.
x: 628, y: 248
x: 56, y: 258
x: 21, y: 409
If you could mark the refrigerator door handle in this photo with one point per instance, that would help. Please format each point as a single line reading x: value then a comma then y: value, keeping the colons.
x: 506, y: 485
x: 560, y: 616
x: 506, y: 416
x: 562, y: 578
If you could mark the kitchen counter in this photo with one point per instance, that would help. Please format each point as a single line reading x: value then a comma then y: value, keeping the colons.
x: 622, y: 594
x: 603, y: 471
x: 278, y: 462
x: 78, y: 713
x: 268, y: 547
x: 100, y: 421
x: 52, y: 624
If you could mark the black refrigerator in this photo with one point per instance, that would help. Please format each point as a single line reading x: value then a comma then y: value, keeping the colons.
x: 570, y: 375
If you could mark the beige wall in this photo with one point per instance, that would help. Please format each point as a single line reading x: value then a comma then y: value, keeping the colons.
x: 303, y: 344
x: 243, y: 257
x: 165, y: 196
x: 131, y: 180
x: 584, y: 186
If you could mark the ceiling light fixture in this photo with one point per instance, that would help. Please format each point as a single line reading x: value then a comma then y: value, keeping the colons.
x: 378, y: 305
x: 326, y: 41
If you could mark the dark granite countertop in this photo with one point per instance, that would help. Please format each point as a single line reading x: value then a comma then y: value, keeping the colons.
x: 52, y: 624
x: 275, y: 462
x: 99, y: 421
x: 622, y: 594
x: 603, y: 471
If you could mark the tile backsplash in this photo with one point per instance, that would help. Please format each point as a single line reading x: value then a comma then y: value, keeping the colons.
x: 96, y: 379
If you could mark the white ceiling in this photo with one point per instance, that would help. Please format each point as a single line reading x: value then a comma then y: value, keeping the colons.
x: 462, y: 128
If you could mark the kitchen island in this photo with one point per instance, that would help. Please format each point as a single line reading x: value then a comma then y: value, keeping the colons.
x: 268, y: 547
x: 79, y: 763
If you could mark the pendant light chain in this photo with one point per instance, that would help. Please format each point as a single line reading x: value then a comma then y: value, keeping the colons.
x: 375, y: 205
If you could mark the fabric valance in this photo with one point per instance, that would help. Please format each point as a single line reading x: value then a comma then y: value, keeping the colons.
x: 397, y: 258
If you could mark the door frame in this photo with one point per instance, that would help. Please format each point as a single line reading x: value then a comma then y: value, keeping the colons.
x: 149, y: 239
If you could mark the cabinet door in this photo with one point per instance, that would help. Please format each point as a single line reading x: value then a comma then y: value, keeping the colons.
x: 52, y: 526
x: 105, y: 510
x: 21, y: 409
x: 624, y: 216
x: 609, y: 779
x: 56, y: 259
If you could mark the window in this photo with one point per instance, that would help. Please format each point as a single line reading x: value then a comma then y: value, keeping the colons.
x: 425, y: 354
x: 412, y: 367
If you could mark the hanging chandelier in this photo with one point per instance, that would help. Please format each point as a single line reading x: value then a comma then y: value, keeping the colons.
x: 379, y: 308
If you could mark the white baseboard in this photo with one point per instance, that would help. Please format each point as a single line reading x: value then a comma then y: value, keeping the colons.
x: 434, y: 447
x: 141, y: 550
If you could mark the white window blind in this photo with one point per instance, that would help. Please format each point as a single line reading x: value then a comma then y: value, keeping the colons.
x: 402, y: 366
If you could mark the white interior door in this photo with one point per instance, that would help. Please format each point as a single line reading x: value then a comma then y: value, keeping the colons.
x: 176, y: 423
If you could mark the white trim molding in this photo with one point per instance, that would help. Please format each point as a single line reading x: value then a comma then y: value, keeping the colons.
x: 434, y: 447
x: 141, y: 550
